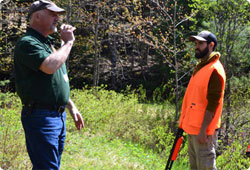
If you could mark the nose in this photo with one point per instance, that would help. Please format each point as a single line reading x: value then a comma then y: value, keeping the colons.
x: 197, y: 47
x: 57, y: 18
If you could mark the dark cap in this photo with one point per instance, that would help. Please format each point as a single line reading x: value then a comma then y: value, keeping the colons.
x: 44, y: 4
x: 204, y: 36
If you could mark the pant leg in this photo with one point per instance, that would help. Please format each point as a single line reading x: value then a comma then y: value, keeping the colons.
x: 62, y: 138
x: 45, y: 135
x: 192, y: 152
x: 205, y: 154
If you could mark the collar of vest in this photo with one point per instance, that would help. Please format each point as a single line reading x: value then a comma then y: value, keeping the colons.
x: 213, y: 56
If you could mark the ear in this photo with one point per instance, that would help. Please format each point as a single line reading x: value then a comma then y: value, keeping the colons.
x: 33, y: 16
x: 211, y: 45
x: 37, y: 15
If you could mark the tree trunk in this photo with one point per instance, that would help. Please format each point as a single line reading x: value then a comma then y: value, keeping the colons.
x: 113, y: 52
x: 96, y: 59
x: 69, y: 12
x: 176, y: 69
x: 68, y: 20
x: 1, y: 17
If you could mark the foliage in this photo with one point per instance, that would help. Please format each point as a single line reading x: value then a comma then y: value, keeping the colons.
x: 11, y: 27
x: 12, y: 143
x: 106, y: 113
x: 120, y: 115
x: 239, y: 120
x: 122, y: 43
x: 240, y: 91
x: 98, y: 152
x: 143, y: 44
x: 117, y: 127
x: 229, y: 20
x: 233, y: 157
x: 110, y: 47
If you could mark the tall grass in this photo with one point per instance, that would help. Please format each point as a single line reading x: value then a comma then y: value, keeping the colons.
x: 122, y: 116
x: 120, y: 133
x: 12, y: 143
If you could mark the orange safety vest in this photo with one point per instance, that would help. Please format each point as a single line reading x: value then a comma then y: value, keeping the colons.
x: 195, y: 100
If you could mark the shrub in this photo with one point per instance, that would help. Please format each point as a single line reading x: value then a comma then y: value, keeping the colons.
x: 122, y: 116
x: 233, y: 157
x: 12, y: 145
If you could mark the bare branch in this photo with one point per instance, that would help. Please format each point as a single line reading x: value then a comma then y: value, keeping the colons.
x: 185, y: 74
x: 185, y: 19
x: 163, y: 10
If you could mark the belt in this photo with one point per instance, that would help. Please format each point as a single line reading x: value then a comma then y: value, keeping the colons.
x: 43, y: 106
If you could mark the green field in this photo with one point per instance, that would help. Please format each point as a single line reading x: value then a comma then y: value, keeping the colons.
x: 120, y: 133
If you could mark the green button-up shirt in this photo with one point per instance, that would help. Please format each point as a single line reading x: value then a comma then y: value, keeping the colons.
x: 32, y: 84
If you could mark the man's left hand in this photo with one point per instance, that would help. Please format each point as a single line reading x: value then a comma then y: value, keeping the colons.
x: 79, y: 123
x: 202, y: 137
x: 77, y: 117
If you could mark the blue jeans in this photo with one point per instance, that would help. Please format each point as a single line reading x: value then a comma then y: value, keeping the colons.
x: 45, y: 133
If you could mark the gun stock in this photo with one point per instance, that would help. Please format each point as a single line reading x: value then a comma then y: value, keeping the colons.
x: 248, y: 151
x: 175, y: 149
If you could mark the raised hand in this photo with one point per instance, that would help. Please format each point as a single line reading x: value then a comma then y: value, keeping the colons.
x: 67, y: 33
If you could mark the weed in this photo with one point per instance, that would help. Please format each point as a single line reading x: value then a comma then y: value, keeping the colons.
x: 120, y: 133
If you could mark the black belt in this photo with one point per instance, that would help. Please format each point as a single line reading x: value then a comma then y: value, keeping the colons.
x: 43, y: 106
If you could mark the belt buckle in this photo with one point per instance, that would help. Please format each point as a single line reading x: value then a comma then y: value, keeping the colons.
x: 61, y: 109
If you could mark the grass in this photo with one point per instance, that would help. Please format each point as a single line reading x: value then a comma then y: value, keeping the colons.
x: 84, y: 151
x: 120, y: 134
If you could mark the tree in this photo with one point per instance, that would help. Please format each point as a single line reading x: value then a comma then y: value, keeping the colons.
x: 166, y: 34
x: 11, y: 27
x: 229, y: 19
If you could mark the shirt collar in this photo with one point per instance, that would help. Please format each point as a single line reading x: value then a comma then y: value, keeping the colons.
x: 38, y: 35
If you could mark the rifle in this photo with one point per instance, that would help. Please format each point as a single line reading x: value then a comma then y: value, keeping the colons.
x: 248, y: 151
x: 175, y: 149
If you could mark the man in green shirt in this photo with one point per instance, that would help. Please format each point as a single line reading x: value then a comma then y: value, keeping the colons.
x: 42, y: 84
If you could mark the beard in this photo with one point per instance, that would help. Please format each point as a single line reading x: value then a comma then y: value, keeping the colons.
x: 53, y: 28
x: 201, y: 54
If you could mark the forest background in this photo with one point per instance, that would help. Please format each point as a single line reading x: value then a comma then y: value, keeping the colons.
x: 138, y: 50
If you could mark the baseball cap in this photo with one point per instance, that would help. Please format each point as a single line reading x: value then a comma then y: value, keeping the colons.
x: 204, y: 36
x: 44, y: 4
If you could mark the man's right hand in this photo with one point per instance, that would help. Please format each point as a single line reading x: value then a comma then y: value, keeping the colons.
x: 66, y: 32
x: 55, y: 60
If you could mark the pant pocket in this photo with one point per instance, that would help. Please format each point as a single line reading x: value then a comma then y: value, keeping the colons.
x: 207, y: 157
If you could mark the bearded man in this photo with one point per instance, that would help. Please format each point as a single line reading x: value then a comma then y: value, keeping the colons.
x: 202, y: 104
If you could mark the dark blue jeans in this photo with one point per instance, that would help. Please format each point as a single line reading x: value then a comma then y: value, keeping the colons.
x: 45, y: 133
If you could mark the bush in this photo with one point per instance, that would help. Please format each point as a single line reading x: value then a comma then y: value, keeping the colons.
x: 121, y: 116
x: 233, y: 157
x: 240, y: 91
x: 12, y: 144
x: 239, y: 122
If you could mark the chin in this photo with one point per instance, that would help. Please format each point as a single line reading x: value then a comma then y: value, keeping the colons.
x: 53, y: 29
